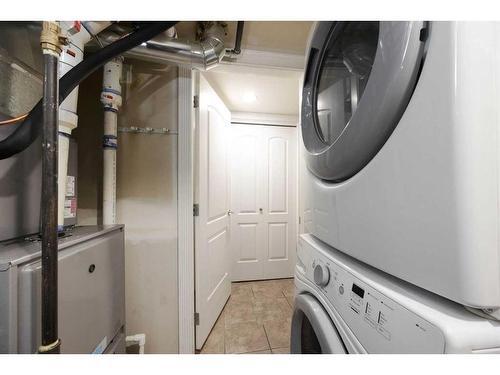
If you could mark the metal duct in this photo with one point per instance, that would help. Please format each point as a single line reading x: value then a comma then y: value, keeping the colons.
x: 201, y: 55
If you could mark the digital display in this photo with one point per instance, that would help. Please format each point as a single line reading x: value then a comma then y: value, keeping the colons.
x: 359, y: 291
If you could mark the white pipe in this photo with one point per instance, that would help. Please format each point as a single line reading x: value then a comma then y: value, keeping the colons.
x: 71, y: 55
x: 140, y: 339
x: 111, y: 100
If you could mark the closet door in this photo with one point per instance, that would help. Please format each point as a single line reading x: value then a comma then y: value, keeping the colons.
x: 263, y: 201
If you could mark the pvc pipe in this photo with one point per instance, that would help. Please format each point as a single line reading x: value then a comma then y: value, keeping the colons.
x: 26, y: 133
x: 111, y: 100
x: 71, y: 55
x: 140, y: 339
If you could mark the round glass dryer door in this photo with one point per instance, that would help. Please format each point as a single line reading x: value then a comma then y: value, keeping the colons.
x: 312, y: 330
x: 358, y: 81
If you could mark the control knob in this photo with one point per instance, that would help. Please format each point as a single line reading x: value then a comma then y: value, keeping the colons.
x: 321, y: 275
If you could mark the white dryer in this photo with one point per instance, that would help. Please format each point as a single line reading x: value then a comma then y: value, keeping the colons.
x: 344, y: 306
x: 400, y: 123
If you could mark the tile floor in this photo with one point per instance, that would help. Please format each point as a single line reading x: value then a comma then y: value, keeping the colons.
x: 255, y: 320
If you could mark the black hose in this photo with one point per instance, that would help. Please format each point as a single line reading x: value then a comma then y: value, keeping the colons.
x: 48, y: 216
x: 29, y: 129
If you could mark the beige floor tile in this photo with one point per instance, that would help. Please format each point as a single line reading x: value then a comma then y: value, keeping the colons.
x: 267, y: 289
x: 278, y: 333
x: 239, y: 312
x: 215, y: 340
x: 245, y: 337
x: 241, y: 292
x: 289, y: 288
x: 281, y: 350
x: 272, y: 309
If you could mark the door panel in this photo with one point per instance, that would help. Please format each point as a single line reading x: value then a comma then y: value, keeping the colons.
x: 263, y: 199
x: 212, y: 232
x: 247, y: 240
x: 278, y: 247
x: 244, y: 174
x: 217, y: 168
x: 280, y: 215
x: 278, y: 163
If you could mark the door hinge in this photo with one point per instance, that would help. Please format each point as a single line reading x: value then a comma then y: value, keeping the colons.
x: 300, y: 220
x: 196, y: 209
x: 196, y: 101
x: 196, y: 319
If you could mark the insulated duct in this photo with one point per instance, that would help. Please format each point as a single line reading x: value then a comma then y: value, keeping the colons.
x: 202, y: 55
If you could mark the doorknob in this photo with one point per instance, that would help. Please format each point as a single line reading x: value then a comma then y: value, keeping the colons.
x: 261, y: 210
x: 229, y: 212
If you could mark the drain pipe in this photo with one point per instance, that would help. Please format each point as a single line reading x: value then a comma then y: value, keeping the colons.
x: 201, y: 55
x: 50, y: 41
x: 72, y: 54
x: 111, y: 99
x: 239, y: 36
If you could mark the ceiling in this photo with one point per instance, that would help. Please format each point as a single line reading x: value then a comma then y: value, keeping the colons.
x: 258, y: 90
x: 261, y: 82
x: 273, y: 36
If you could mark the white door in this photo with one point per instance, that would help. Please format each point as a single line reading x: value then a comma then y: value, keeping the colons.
x: 263, y: 201
x: 212, y: 257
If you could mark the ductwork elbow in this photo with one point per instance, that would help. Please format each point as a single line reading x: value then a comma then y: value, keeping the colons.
x: 213, y: 46
x: 202, y: 55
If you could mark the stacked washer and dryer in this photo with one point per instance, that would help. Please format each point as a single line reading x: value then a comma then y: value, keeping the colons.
x: 400, y: 123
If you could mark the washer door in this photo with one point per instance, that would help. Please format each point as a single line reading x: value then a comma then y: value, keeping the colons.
x: 313, y: 332
x: 358, y: 81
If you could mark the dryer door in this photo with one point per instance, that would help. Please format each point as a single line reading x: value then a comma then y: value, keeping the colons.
x: 313, y: 332
x: 358, y: 81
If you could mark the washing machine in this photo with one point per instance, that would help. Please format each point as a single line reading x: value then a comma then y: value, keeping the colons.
x: 400, y: 128
x: 345, y: 306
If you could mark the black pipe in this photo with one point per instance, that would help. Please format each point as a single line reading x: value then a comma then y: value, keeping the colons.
x: 50, y: 339
x: 239, y: 35
x: 29, y: 130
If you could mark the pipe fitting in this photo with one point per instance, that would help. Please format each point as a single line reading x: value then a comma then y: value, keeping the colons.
x: 51, y: 38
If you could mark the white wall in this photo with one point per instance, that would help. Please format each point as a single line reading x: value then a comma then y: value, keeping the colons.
x: 146, y: 196
x: 147, y: 204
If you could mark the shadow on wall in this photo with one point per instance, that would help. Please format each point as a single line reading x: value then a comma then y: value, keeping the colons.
x: 146, y: 194
x: 147, y: 205
x: 88, y: 135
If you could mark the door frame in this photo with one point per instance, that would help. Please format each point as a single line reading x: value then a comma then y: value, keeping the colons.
x: 187, y: 85
x: 188, y: 88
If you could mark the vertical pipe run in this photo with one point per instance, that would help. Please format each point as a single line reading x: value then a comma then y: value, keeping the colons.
x: 111, y: 100
x: 239, y: 36
x: 109, y: 167
x: 50, y: 340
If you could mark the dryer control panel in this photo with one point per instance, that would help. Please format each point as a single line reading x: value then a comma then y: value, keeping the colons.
x: 380, y: 324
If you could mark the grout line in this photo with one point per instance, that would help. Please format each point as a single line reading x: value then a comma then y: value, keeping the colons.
x: 267, y: 338
x: 286, y: 299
